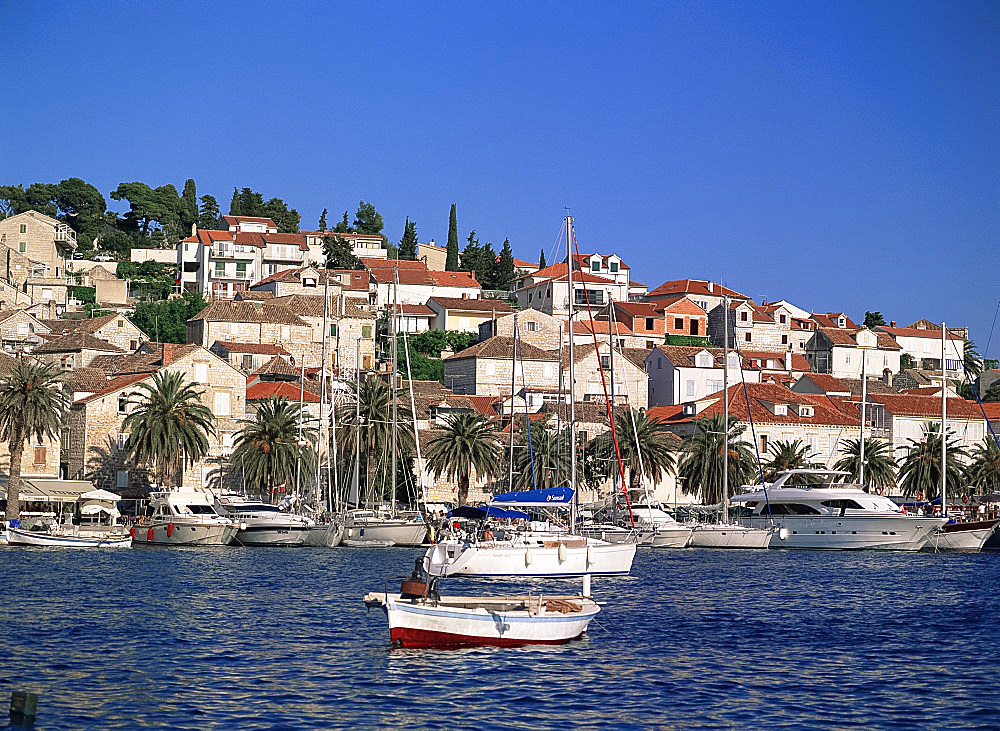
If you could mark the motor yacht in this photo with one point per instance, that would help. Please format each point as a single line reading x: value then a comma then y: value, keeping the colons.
x: 809, y: 508
x: 183, y: 517
x: 368, y: 528
x: 262, y: 524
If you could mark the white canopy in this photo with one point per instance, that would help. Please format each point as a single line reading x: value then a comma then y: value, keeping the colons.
x: 103, y: 495
x: 95, y: 508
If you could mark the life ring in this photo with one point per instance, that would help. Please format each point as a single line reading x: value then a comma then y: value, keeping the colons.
x: 920, y: 496
x: 878, y: 490
x: 965, y: 498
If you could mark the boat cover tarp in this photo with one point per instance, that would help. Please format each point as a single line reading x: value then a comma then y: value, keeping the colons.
x: 487, y: 511
x: 543, y: 496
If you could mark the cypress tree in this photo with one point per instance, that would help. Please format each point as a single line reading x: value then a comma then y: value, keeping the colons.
x: 451, y: 260
x: 235, y: 208
x: 408, y: 244
x: 189, y: 206
x: 504, y: 272
x: 322, y: 221
x: 541, y: 259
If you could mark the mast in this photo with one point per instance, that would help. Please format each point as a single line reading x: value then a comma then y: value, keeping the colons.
x: 298, y: 427
x: 864, y: 416
x: 322, y: 385
x: 559, y: 389
x: 725, y: 412
x: 395, y: 353
x: 575, y: 503
x: 944, y: 422
x: 513, y: 368
x: 355, y: 495
x: 611, y: 371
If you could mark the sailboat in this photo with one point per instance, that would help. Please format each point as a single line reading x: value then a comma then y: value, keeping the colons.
x: 725, y: 534
x: 371, y: 528
x: 964, y: 537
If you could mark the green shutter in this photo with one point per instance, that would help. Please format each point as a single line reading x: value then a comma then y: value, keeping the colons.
x: 366, y: 331
x: 333, y: 329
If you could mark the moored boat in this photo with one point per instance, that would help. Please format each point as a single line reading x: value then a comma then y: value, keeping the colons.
x: 961, y: 537
x: 369, y: 528
x: 95, y: 523
x: 729, y: 535
x: 261, y: 524
x: 183, y: 517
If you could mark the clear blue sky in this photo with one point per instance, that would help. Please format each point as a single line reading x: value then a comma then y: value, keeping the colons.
x: 844, y: 156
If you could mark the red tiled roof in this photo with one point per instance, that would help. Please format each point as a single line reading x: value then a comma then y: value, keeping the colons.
x: 233, y: 220
x: 251, y: 348
x: 419, y: 310
x: 268, y: 389
x: 828, y: 383
x: 454, y: 279
x: 992, y: 410
x: 580, y: 258
x: 916, y: 332
x: 926, y: 406
x: 116, y: 384
x: 843, y: 336
x: 695, y: 286
x: 830, y: 319
x: 601, y: 327
x: 640, y: 309
x: 799, y: 362
x: 472, y: 305
x: 502, y: 348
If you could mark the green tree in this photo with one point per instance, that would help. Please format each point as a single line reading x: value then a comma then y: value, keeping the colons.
x: 874, y: 319
x: 285, y: 219
x: 322, y: 220
x: 541, y: 259
x: 991, y: 364
x: 270, y: 449
x: 504, y: 272
x: 451, y: 255
x: 339, y: 253
x: 468, y: 443
x: 992, y: 394
x: 168, y: 427
x: 787, y: 455
x: 880, y: 467
x: 32, y: 404
x: 82, y: 206
x: 147, y: 206
x: 367, y: 220
x: 920, y: 471
x: 209, y: 215
x: 166, y: 321
x: 188, y: 210
x: 408, y: 244
x: 113, y: 241
x: 970, y: 357
x: 344, y: 227
x: 655, y: 451
x: 375, y: 397
x: 984, y: 471
x: 700, y: 468
x: 906, y: 361
x: 236, y: 204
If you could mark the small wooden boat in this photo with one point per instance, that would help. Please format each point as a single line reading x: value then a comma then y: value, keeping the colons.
x: 67, y: 539
x: 961, y: 537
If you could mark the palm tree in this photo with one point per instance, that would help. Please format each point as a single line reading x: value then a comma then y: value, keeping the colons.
x: 468, y: 442
x: 984, y: 472
x: 32, y: 403
x: 656, y: 447
x: 700, y: 467
x: 268, y: 449
x: 971, y: 359
x: 168, y: 426
x: 551, y: 458
x: 880, y: 467
x: 920, y: 472
x: 787, y: 455
x: 375, y: 426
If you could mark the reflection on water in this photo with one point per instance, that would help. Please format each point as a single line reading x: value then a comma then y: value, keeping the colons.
x: 264, y: 638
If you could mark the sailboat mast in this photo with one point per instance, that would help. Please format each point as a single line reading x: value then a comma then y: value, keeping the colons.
x: 395, y: 353
x: 574, y: 505
x: 725, y: 412
x: 944, y: 422
x: 322, y: 387
x: 513, y: 361
x: 559, y: 389
x: 864, y: 417
x: 298, y: 427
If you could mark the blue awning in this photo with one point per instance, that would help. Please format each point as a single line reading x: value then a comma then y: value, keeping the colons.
x: 487, y: 511
x: 544, y: 496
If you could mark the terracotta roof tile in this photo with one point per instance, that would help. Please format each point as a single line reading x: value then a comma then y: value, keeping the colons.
x: 695, y: 286
x: 77, y: 340
x: 927, y: 406
x: 502, y: 348
x: 251, y: 348
x: 472, y: 305
x: 269, y: 389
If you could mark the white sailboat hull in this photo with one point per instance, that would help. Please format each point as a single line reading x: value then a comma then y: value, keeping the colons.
x: 729, y: 536
x: 571, y: 556
x: 672, y: 537
x: 875, y: 532
x: 473, y: 621
x: 325, y: 535
x: 18, y: 537
x: 385, y: 534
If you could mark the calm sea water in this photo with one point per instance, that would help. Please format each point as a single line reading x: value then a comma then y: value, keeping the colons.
x: 271, y: 638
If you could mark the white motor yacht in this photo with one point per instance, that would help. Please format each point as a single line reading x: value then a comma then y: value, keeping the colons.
x: 730, y: 535
x: 183, y: 517
x: 262, y: 524
x: 828, y: 514
x: 369, y: 528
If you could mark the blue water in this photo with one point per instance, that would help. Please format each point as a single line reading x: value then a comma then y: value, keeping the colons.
x: 271, y: 638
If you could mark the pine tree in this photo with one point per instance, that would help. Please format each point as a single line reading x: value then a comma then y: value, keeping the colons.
x: 209, y: 215
x: 344, y: 227
x: 408, y: 244
x: 235, y: 209
x: 541, y: 259
x: 451, y: 259
x: 322, y: 221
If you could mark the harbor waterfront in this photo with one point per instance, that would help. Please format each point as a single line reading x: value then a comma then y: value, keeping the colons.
x: 256, y: 638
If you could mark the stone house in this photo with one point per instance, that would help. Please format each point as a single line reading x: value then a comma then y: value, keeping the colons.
x: 761, y: 327
x: 116, y: 329
x: 465, y: 315
x: 683, y: 373
x: 486, y: 369
x: 533, y: 327
x: 412, y: 283
x: 40, y: 458
x: 310, y: 280
x: 413, y: 319
x: 629, y: 383
x: 839, y: 352
x: 584, y: 332
x: 17, y: 327
x: 93, y: 438
x: 74, y: 350
x: 265, y: 322
x: 923, y: 345
x: 247, y: 357
x: 351, y: 341
x: 34, y: 249
x: 910, y: 415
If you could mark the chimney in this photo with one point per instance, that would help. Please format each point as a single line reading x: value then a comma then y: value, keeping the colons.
x: 168, y: 353
x: 892, y: 323
x: 887, y: 377
x: 711, y: 287
x: 194, y: 229
x: 432, y: 242
x: 788, y: 360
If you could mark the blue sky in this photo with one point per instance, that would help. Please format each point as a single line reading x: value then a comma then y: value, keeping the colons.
x: 844, y: 156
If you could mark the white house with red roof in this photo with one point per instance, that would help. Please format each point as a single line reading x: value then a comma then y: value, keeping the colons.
x: 366, y: 246
x: 703, y: 292
x: 910, y: 416
x: 681, y: 373
x: 412, y: 283
x: 547, y: 290
x: 839, y: 352
x: 221, y: 263
x: 924, y: 346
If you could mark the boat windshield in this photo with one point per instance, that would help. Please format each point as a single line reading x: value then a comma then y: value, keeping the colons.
x: 201, y: 509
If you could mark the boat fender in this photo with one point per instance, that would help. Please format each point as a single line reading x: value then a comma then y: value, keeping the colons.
x: 903, y: 510
x: 131, y: 532
x: 350, y: 533
x: 243, y: 526
x: 920, y: 496
x: 362, y: 533
x: 562, y: 551
x: 149, y: 536
x: 878, y: 490
x: 170, y: 529
x: 965, y: 498
x: 590, y: 555
x: 783, y: 533
x: 527, y: 557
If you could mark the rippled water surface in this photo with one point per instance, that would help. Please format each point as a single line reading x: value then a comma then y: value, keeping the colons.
x: 271, y: 638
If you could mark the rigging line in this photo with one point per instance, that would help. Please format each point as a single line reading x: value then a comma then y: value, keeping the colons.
x: 604, y: 383
x: 990, y: 338
x: 975, y: 393
x: 753, y: 430
x: 628, y: 397
x: 527, y: 421
x: 417, y: 488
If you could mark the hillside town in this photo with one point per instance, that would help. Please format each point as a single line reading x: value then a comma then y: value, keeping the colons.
x: 275, y: 322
